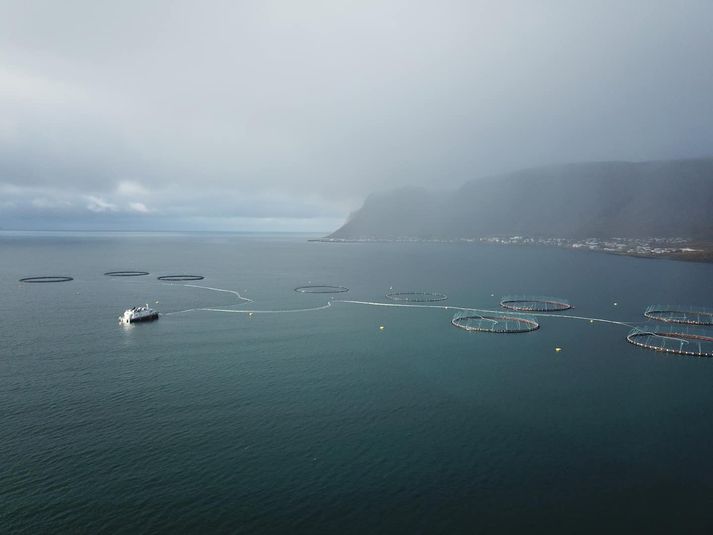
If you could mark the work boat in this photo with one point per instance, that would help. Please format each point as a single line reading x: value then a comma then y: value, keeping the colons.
x: 137, y: 314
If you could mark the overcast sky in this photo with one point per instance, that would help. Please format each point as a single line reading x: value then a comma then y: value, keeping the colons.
x: 285, y: 115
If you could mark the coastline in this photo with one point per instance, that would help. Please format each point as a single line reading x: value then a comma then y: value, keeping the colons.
x: 681, y: 249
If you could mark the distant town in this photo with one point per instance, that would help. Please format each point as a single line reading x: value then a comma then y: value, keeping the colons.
x: 627, y: 246
x: 678, y: 248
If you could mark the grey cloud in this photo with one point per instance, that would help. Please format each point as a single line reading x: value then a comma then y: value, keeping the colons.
x: 300, y: 109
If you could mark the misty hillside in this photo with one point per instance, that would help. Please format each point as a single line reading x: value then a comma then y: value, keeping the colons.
x: 602, y: 199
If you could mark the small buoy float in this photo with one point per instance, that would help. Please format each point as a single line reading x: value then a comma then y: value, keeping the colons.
x: 558, y: 349
x: 381, y: 327
x: 591, y: 321
x: 250, y: 314
x: 616, y: 304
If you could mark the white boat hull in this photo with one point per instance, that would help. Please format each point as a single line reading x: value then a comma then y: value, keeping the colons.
x: 138, y: 315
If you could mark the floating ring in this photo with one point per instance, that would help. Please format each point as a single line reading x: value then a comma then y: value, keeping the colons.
x: 678, y: 340
x: 48, y: 278
x: 181, y: 278
x: 680, y: 314
x: 318, y: 289
x: 528, y: 303
x: 475, y: 321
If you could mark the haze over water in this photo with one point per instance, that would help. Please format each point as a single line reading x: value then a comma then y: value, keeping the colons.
x: 320, y: 421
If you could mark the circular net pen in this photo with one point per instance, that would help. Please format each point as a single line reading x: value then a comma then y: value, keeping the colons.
x: 46, y: 279
x: 126, y: 273
x: 675, y: 339
x: 493, y: 322
x: 416, y: 297
x: 321, y: 289
x: 180, y: 278
x: 534, y: 303
x: 690, y: 315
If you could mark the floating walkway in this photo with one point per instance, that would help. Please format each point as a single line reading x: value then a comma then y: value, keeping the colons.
x: 251, y: 312
x: 452, y: 307
x: 234, y: 292
x: 416, y: 297
x: 321, y: 289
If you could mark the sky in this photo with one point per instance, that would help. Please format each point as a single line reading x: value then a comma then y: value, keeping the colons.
x: 284, y: 116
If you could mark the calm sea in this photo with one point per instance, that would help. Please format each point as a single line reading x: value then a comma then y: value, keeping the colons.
x: 320, y: 421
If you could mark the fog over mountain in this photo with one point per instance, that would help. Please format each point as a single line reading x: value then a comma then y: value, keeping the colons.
x: 286, y: 115
x: 602, y: 199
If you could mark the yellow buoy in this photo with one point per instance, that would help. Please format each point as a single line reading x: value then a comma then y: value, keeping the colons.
x: 558, y: 349
x: 381, y: 327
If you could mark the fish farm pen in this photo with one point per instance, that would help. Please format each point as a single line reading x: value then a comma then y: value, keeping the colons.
x: 416, y: 297
x: 530, y: 303
x: 483, y: 321
x: 690, y: 315
x: 180, y: 278
x: 47, y: 279
x: 676, y: 339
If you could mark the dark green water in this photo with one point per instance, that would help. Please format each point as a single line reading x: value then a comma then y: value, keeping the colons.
x: 321, y: 422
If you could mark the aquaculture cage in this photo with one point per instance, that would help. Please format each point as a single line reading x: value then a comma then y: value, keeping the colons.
x: 691, y: 315
x: 493, y: 322
x: 676, y: 339
x: 47, y: 279
x: 534, y: 303
x: 416, y: 297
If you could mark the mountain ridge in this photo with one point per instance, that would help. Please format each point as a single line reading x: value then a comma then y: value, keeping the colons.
x: 588, y: 199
